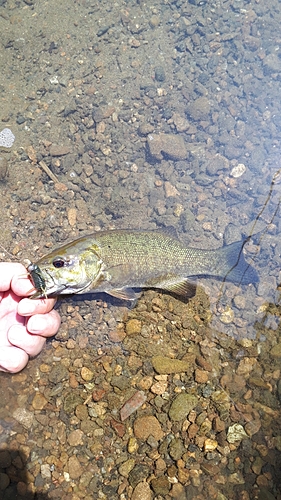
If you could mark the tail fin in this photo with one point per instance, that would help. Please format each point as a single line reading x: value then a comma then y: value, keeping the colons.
x: 233, y: 266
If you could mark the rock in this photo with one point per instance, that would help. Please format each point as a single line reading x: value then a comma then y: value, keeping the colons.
x: 3, y: 168
x: 59, y: 150
x: 182, y: 405
x: 142, y: 492
x: 164, y: 365
x: 210, y: 445
x: 159, y: 74
x: 45, y: 471
x: 4, y: 481
x: 74, y: 467
x: 86, y: 374
x: 160, y: 485
x: 71, y: 400
x: 58, y: 373
x: 238, y: 170
x: 217, y: 163
x: 39, y: 401
x: 126, y: 467
x: 236, y: 433
x: 75, y: 437
x: 138, y: 474
x: 170, y: 190
x: 180, y: 122
x: 133, y: 327
x: 199, y: 109
x: 169, y: 145
x: 245, y: 366
x: 275, y: 352
x: 201, y: 376
x: 147, y: 426
x: 176, y: 448
x: 272, y: 63
x: 24, y: 417
x: 121, y: 382
x: 5, y: 459
x: 72, y: 216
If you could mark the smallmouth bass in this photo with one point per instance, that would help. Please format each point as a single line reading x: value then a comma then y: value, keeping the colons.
x: 117, y: 261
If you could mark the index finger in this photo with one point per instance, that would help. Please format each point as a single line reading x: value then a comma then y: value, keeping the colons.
x: 21, y: 283
x: 10, y: 272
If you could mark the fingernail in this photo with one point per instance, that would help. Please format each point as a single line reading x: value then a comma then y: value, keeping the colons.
x: 36, y: 324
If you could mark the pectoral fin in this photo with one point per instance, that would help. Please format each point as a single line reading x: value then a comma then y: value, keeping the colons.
x: 184, y: 288
x: 123, y: 294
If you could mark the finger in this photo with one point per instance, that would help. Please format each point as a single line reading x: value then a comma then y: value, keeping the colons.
x: 12, y: 359
x: 46, y: 325
x: 28, y: 307
x: 10, y: 271
x: 31, y: 344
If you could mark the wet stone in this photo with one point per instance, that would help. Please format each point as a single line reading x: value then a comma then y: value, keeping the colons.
x: 199, y: 109
x: 5, y: 459
x: 170, y: 145
x: 142, y: 492
x: 181, y: 406
x: 147, y: 426
x: 138, y: 473
x: 176, y: 448
x: 58, y: 374
x: 74, y: 467
x: 160, y: 485
x: 120, y: 382
x: 39, y: 401
x: 71, y: 401
x: 275, y: 352
x: 4, y: 481
x: 24, y: 417
x: 86, y: 374
x: 133, y: 327
x: 163, y: 365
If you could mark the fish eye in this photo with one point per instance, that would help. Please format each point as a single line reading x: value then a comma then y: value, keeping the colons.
x: 58, y: 262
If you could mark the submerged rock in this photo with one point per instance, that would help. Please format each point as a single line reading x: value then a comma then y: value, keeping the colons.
x: 169, y: 145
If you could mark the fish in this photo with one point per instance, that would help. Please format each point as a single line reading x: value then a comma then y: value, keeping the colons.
x: 118, y: 262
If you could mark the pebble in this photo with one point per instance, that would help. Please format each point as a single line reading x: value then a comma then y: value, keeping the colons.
x: 39, y: 401
x: 135, y: 402
x: 133, y: 327
x: 58, y: 373
x: 210, y: 445
x: 86, y: 374
x: 126, y: 467
x: 164, y: 365
x: 72, y: 216
x: 181, y: 406
x: 171, y: 145
x: 75, y: 437
x: 170, y: 190
x: 161, y: 485
x: 180, y: 122
x: 132, y: 445
x: 142, y: 492
x: 24, y: 417
x: 239, y: 170
x: 275, y: 352
x: 74, y: 467
x: 199, y: 109
x: 236, y: 433
x: 3, y: 168
x: 59, y: 150
x: 146, y: 426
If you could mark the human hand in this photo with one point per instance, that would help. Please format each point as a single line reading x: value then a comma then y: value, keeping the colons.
x: 24, y: 323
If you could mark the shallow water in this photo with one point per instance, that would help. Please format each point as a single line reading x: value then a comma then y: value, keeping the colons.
x: 88, y: 88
